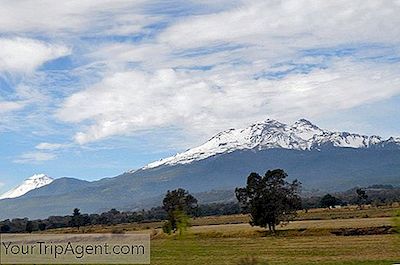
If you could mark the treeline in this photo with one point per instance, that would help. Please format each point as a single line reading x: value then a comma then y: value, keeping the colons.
x: 111, y: 217
x: 376, y: 195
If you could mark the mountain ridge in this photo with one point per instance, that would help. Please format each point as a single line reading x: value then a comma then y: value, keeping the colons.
x: 301, y: 135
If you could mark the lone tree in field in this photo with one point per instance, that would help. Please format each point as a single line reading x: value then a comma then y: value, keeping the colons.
x: 269, y: 199
x: 179, y: 205
x: 76, y: 220
x: 329, y: 201
x: 362, y: 197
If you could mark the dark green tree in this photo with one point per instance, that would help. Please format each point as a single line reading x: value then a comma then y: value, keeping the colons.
x: 114, y: 211
x: 178, y: 204
x: 5, y: 229
x: 329, y: 201
x: 269, y: 199
x: 362, y: 197
x: 76, y: 219
x: 85, y: 220
x: 42, y: 226
x: 29, y: 227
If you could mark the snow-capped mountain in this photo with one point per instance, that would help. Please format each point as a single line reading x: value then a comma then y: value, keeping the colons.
x: 302, y: 135
x: 31, y: 183
x: 320, y: 159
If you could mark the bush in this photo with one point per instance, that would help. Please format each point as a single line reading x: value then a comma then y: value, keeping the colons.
x: 167, y: 227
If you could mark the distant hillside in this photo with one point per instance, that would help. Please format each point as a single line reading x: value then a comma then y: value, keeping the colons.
x: 330, y: 169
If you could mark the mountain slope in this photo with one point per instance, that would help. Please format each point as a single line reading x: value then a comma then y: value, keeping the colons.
x: 58, y: 187
x: 31, y: 183
x: 327, y: 170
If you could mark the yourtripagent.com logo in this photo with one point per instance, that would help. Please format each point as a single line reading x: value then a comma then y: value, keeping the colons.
x: 79, y: 249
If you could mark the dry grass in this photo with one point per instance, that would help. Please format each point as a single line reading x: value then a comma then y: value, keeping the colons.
x: 121, y: 228
x: 348, y: 212
x: 300, y: 242
x: 296, y: 228
x: 231, y: 240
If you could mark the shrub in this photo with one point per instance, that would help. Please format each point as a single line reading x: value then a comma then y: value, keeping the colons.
x: 167, y: 227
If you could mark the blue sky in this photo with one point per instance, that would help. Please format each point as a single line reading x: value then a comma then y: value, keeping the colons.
x: 93, y: 88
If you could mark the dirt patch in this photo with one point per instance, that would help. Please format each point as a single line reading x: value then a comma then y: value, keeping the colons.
x: 381, y: 230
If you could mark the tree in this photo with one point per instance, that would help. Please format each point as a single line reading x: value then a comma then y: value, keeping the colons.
x: 362, y: 197
x: 29, y: 227
x: 114, y: 211
x: 5, y: 229
x: 178, y: 204
x: 76, y: 220
x: 329, y: 201
x: 42, y: 226
x: 85, y: 220
x: 269, y: 199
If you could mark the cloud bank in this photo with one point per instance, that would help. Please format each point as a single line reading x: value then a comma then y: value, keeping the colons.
x: 283, y: 59
x: 133, y: 67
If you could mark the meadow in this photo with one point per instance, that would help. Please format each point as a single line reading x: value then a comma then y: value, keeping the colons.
x: 319, y: 236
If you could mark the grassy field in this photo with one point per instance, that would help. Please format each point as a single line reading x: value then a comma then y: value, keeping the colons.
x: 300, y: 242
x: 375, y: 249
x: 314, y: 238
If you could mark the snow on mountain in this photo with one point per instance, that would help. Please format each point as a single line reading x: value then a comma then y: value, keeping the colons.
x: 31, y: 183
x: 302, y: 135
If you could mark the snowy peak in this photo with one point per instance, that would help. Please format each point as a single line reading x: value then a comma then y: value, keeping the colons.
x: 301, y: 135
x: 31, y: 183
x: 303, y: 123
x: 38, y: 178
x: 305, y: 129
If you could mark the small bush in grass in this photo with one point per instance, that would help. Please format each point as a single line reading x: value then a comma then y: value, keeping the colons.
x: 167, y: 228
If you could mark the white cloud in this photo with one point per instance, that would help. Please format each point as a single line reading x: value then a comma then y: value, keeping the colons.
x: 141, y: 91
x: 292, y: 23
x: 62, y: 18
x: 25, y: 55
x: 88, y: 16
x: 7, y: 106
x: 265, y: 31
x: 50, y: 146
x: 34, y: 157
x: 128, y: 102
